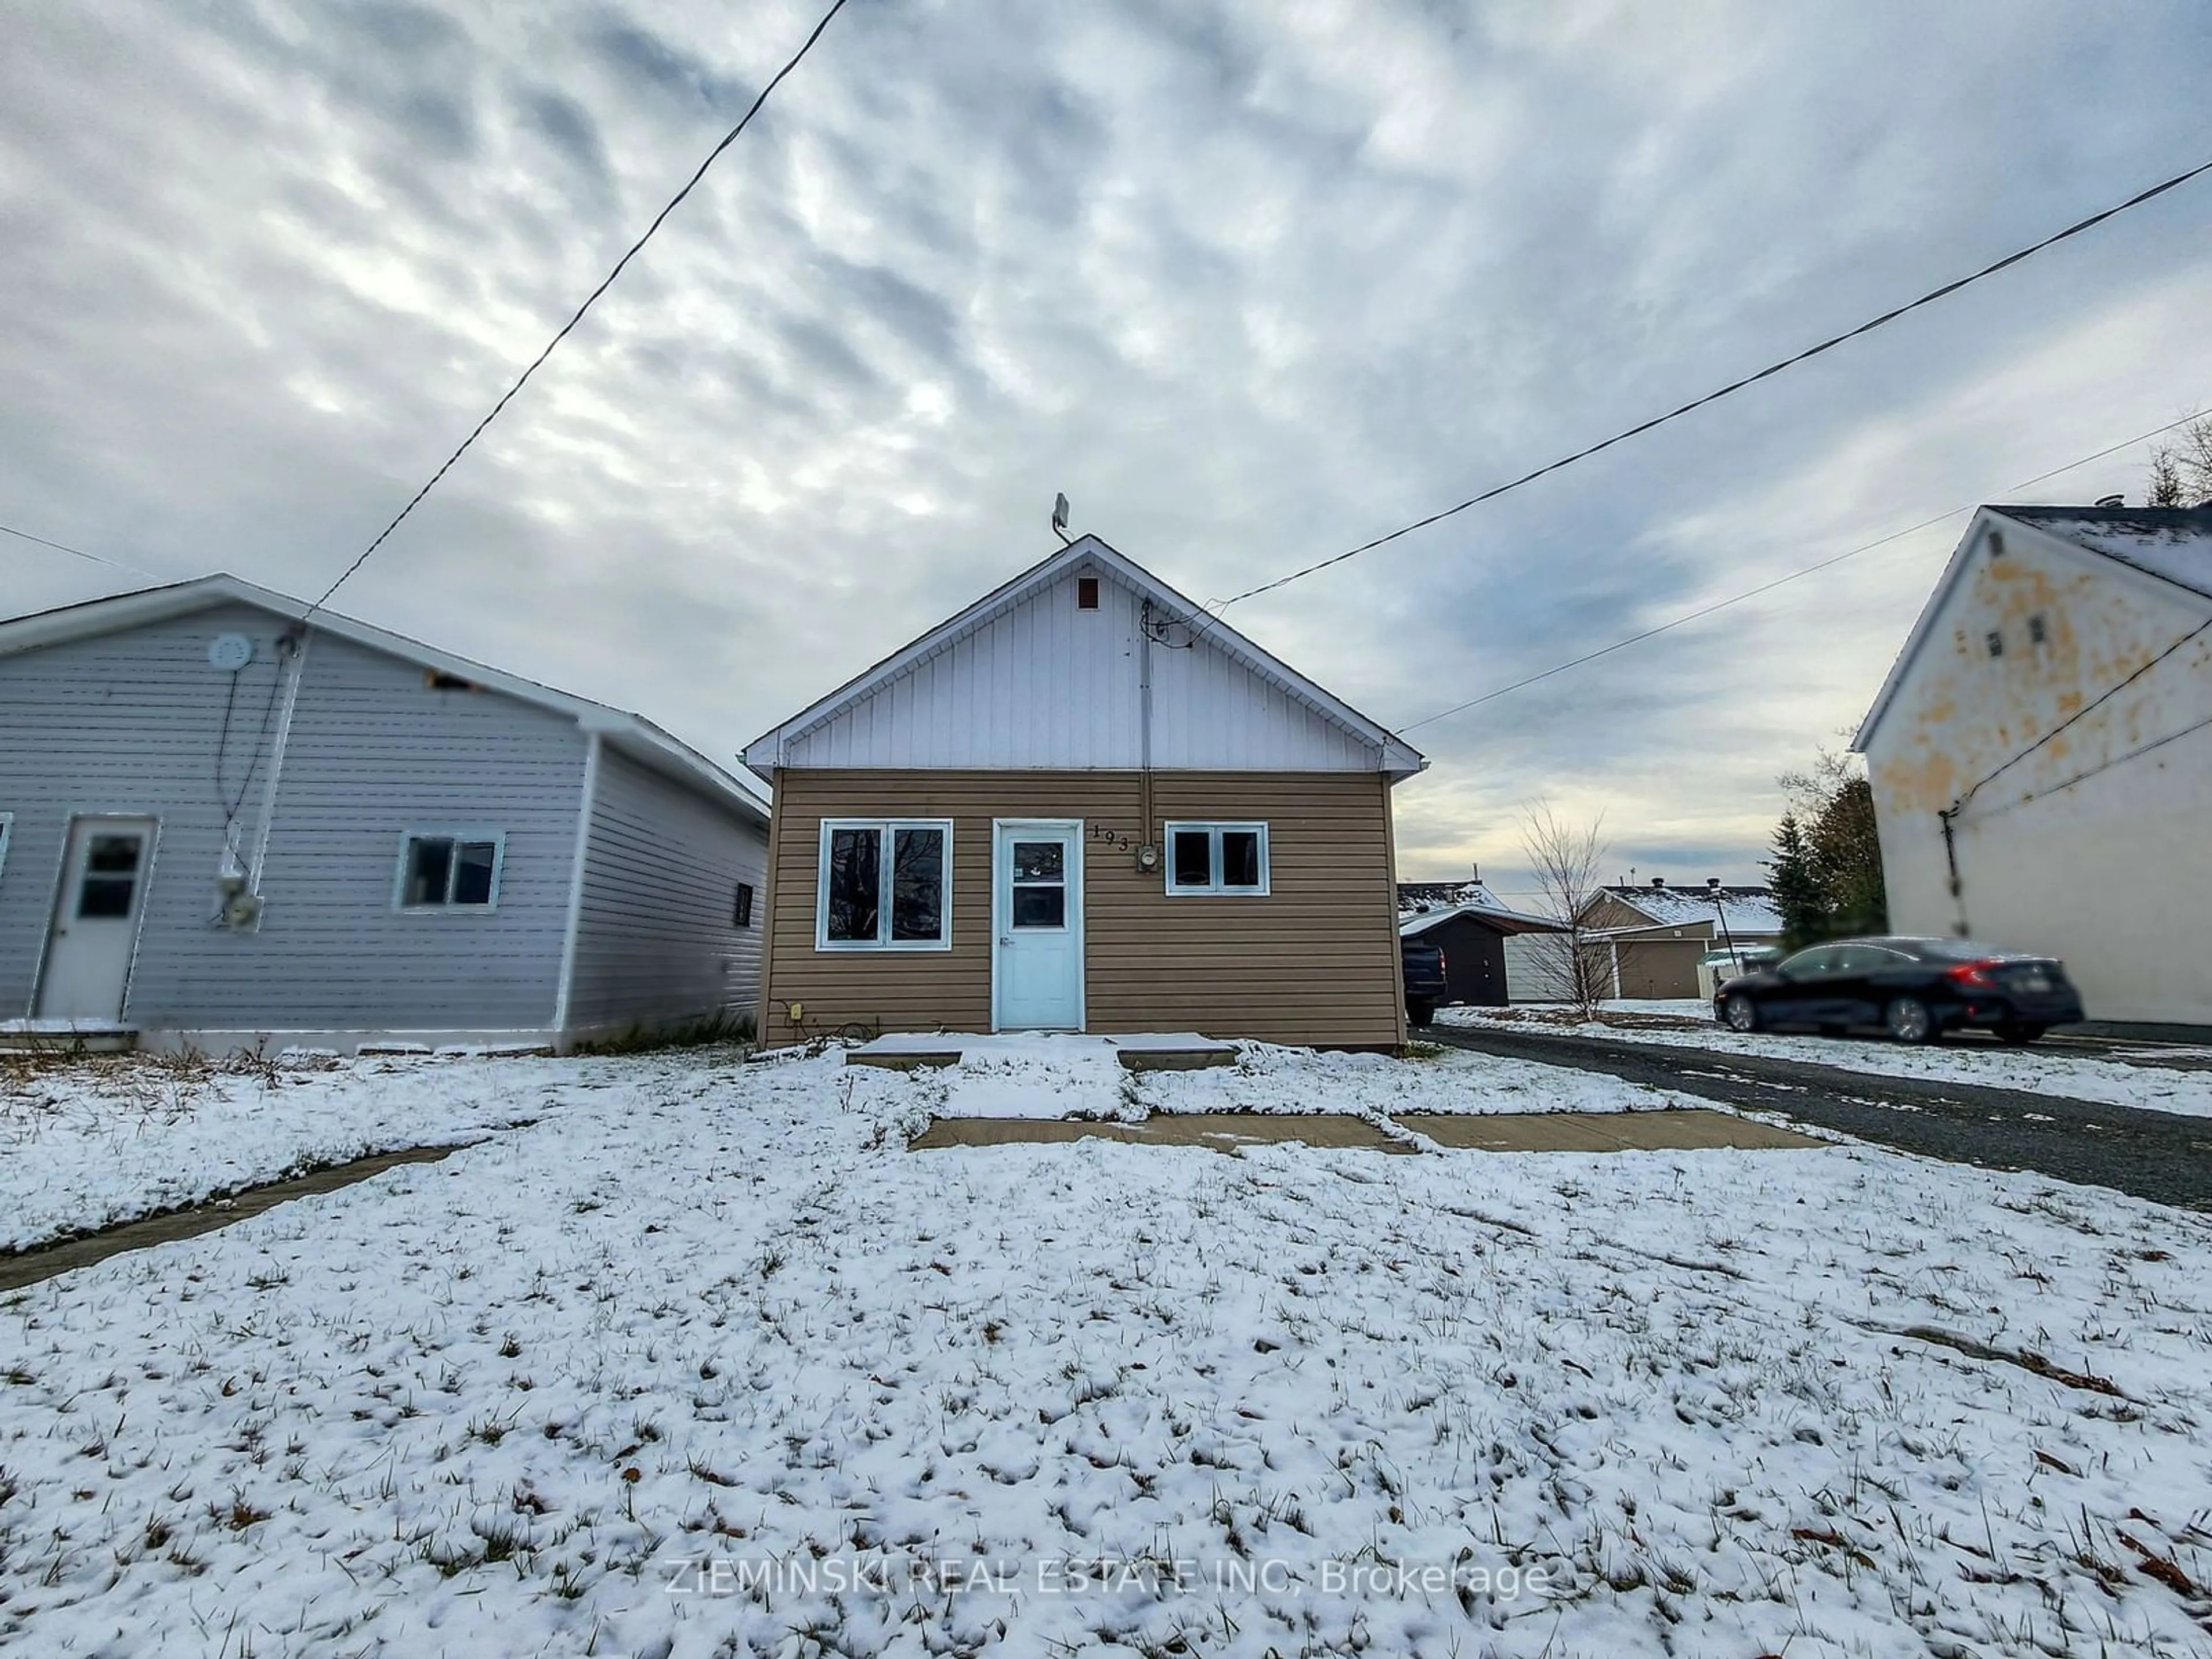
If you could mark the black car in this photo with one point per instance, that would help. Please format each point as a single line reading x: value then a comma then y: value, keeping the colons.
x: 1425, y: 985
x: 1915, y: 989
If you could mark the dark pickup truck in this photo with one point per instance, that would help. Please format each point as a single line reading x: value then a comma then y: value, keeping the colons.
x: 1426, y: 986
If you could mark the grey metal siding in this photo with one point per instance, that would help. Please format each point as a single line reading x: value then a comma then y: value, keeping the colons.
x: 654, y: 938
x: 129, y: 722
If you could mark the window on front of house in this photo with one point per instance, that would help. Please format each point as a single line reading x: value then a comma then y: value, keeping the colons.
x: 884, y: 884
x: 741, y: 912
x: 1217, y: 857
x: 451, y: 872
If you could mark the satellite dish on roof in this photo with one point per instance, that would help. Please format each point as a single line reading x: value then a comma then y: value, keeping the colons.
x: 1059, y: 517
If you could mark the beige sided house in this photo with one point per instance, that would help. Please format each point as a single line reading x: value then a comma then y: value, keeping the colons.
x: 1654, y: 936
x: 1082, y: 804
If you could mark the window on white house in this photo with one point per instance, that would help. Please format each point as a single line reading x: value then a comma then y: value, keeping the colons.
x: 885, y: 884
x: 451, y: 872
x: 2038, y: 629
x: 741, y: 912
x: 1217, y: 857
x: 1995, y: 640
x: 7, y: 824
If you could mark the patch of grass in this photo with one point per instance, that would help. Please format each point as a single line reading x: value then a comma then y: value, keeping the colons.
x: 726, y: 1026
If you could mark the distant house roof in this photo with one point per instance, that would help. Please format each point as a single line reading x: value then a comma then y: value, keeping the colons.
x: 2169, y: 544
x: 1423, y: 904
x: 630, y: 734
x: 1397, y: 757
x: 1747, y: 911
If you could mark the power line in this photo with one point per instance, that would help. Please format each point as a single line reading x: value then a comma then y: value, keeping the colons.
x: 1769, y: 587
x: 2081, y: 714
x: 2090, y: 772
x: 1772, y: 369
x: 523, y: 379
x: 64, y: 547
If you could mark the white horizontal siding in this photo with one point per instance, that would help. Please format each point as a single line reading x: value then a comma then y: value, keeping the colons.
x: 1046, y: 685
x: 655, y: 943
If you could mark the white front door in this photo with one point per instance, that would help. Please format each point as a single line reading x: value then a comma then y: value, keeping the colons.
x: 1036, y: 909
x: 96, y: 911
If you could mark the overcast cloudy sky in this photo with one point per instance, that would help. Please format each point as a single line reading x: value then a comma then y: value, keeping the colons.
x: 1252, y: 280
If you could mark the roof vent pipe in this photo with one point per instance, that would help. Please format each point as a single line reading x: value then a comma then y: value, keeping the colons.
x: 1659, y: 884
x: 2112, y: 500
x: 1713, y: 883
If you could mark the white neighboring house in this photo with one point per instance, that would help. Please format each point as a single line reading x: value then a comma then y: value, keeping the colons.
x: 2041, y: 754
x: 223, y: 826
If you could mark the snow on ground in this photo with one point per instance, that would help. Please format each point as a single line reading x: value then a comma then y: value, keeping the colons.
x: 1266, y: 1078
x: 1043, y: 1077
x: 88, y: 1143
x: 656, y: 1375
x: 2043, y: 1070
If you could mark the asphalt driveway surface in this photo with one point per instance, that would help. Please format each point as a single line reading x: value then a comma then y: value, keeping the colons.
x: 2160, y: 1156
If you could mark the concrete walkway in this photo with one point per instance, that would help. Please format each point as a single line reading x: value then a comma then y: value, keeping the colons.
x: 45, y: 1261
x: 1218, y: 1130
x: 1674, y: 1130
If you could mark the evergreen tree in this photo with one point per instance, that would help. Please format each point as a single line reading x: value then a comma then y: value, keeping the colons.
x: 1846, y: 862
x: 1797, y: 886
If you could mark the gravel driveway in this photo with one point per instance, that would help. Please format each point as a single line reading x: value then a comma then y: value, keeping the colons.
x: 2154, y: 1155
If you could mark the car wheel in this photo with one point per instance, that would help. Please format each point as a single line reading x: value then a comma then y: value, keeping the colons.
x: 1740, y: 1012
x: 1421, y: 1013
x: 2020, y: 1036
x: 1908, y: 1020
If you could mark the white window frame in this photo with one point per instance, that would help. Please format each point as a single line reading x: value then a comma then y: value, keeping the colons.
x: 1213, y: 829
x: 409, y: 837
x: 888, y: 829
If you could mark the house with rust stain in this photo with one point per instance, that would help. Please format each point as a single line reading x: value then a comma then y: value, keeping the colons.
x: 1084, y: 805
x: 2041, y: 754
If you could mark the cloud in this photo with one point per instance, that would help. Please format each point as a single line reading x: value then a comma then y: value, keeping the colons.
x: 1252, y: 283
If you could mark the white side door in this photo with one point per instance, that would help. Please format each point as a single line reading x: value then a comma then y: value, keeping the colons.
x: 1036, y: 913
x: 96, y: 911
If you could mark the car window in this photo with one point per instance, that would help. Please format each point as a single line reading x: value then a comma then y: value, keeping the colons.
x: 1811, y: 965
x: 1866, y: 958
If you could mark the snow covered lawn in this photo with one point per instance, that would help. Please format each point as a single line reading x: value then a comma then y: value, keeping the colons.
x: 2042, y: 1070
x: 1079, y: 1077
x: 707, y: 1363
x: 87, y: 1143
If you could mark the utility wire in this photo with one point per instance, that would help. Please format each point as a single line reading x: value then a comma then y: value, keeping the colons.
x: 2091, y: 771
x: 523, y: 379
x: 1772, y: 369
x: 2083, y: 712
x: 64, y: 547
x: 1769, y: 587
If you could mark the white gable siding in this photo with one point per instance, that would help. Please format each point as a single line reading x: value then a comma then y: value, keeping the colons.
x: 2107, y: 872
x: 1048, y: 685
